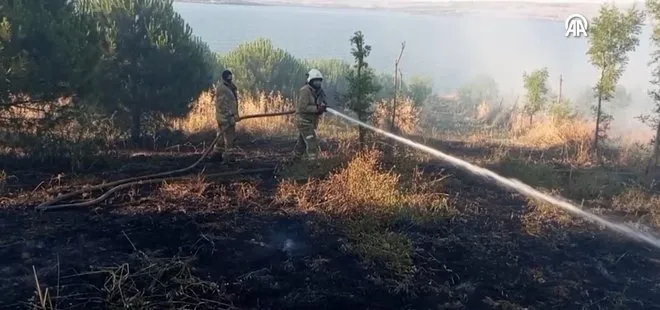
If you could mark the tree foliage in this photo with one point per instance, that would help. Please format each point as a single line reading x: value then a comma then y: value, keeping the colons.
x: 479, y: 89
x: 561, y: 109
x: 361, y: 80
x: 653, y: 119
x: 260, y: 66
x: 420, y: 89
x: 386, y: 83
x: 152, y: 63
x: 536, y: 86
x: 613, y: 34
x: 48, y: 50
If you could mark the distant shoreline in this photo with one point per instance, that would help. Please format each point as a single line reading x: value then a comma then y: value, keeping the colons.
x: 237, y: 2
x: 530, y: 10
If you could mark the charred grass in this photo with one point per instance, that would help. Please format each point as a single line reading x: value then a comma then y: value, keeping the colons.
x: 381, y: 228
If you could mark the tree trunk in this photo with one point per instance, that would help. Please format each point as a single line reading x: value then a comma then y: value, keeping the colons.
x: 656, y: 149
x: 598, y: 113
x: 394, y: 103
x: 396, y: 93
x: 397, y: 82
x: 361, y: 133
x: 136, y: 127
x: 361, y: 118
x: 531, y: 119
x: 360, y: 111
x: 597, y: 134
x: 561, y: 82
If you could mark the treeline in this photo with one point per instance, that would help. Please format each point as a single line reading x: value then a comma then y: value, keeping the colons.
x: 259, y: 66
x: 125, y: 58
x: 612, y: 35
x: 137, y: 62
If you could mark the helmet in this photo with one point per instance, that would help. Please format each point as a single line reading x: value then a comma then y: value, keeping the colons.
x: 226, y: 74
x: 314, y: 74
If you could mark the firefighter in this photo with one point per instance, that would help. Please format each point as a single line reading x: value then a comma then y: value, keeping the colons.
x: 226, y: 114
x: 311, y: 104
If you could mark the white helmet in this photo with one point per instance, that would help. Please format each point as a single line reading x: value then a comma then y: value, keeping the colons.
x: 314, y: 74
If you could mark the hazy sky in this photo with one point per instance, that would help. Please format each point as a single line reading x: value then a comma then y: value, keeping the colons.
x: 386, y: 2
x: 537, y: 1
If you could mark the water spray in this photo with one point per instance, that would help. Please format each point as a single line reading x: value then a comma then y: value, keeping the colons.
x: 512, y: 184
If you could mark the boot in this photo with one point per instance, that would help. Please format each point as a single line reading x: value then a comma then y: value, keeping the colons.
x: 297, y: 156
x: 215, y: 157
x: 228, y: 157
x: 313, y: 161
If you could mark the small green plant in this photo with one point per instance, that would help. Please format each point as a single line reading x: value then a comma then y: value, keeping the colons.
x: 536, y: 85
x: 362, y: 85
x: 612, y: 35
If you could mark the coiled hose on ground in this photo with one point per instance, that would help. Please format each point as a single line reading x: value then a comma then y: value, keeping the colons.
x: 118, y: 185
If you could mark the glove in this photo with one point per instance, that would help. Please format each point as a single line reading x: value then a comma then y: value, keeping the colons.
x: 322, y: 108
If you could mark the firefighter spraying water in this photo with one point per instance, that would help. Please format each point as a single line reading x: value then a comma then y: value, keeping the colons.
x: 311, y: 104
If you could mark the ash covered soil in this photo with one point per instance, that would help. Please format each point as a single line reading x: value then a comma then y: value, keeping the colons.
x: 229, y: 244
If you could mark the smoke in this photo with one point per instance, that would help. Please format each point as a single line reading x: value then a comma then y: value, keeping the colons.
x: 449, y: 48
x: 513, y: 184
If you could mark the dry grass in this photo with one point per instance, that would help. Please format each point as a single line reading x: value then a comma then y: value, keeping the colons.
x: 374, y: 206
x: 202, y: 116
x: 541, y: 215
x: 161, y: 283
x: 55, y: 129
x: 149, y: 283
x: 184, y: 189
x: 639, y: 203
x: 90, y: 134
x: 368, y: 200
x: 546, y: 132
x: 636, y: 205
x: 574, y: 135
x: 407, y: 115
x: 511, y: 129
x: 146, y: 283
x: 362, y: 187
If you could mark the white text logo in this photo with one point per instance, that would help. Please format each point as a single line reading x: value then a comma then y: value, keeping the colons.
x: 576, y: 25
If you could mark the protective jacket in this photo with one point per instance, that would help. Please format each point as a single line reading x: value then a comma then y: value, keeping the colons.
x: 226, y: 103
x: 307, y: 106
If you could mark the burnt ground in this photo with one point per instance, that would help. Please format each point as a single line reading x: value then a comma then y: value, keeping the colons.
x: 223, y: 244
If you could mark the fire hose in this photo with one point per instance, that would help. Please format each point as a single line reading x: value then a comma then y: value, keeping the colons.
x: 118, y: 185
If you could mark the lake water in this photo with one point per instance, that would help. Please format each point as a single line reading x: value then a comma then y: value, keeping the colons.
x: 449, y: 49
